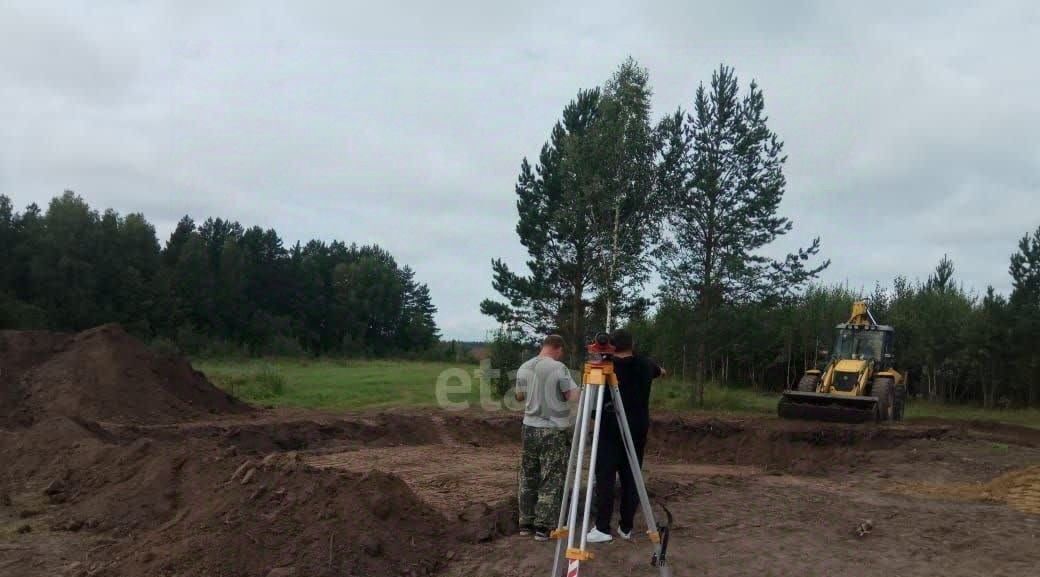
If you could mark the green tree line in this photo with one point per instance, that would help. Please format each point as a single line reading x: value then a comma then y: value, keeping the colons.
x: 954, y: 345
x: 213, y: 287
x: 614, y: 198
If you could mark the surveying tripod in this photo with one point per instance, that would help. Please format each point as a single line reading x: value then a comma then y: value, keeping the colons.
x: 597, y: 378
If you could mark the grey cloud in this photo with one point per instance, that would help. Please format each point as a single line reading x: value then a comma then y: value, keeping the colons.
x: 52, y: 55
x: 910, y: 128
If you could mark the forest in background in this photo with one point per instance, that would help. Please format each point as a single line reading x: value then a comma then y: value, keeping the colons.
x: 615, y: 198
x: 955, y: 345
x: 215, y: 288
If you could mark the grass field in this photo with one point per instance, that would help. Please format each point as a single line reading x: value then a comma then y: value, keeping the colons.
x: 359, y: 384
x: 335, y: 384
x: 1027, y: 417
x: 675, y: 395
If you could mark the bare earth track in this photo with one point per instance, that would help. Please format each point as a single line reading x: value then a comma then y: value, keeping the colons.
x: 172, y: 480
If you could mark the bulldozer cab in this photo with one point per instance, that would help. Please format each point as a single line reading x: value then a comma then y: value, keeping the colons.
x: 859, y: 342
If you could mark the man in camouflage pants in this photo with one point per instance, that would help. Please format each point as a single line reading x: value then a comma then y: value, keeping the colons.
x: 545, y: 385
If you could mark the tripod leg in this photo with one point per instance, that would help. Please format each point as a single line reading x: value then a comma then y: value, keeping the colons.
x: 592, y: 466
x: 637, y: 475
x: 583, y: 399
x: 580, y: 428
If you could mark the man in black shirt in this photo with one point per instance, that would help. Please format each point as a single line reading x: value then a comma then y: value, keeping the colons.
x: 635, y: 373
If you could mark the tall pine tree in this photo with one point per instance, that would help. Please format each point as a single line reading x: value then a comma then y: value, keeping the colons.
x: 1025, y: 302
x: 588, y: 214
x: 723, y: 169
x: 553, y: 202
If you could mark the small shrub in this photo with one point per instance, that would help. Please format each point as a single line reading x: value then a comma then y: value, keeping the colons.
x: 257, y: 385
x: 166, y: 347
x: 189, y: 340
x: 508, y: 352
x: 674, y: 394
x: 270, y: 381
x: 223, y: 349
x: 283, y: 346
x: 15, y: 314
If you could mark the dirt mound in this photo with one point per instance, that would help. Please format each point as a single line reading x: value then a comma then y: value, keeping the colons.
x: 380, y: 430
x: 801, y: 447
x: 199, y: 509
x: 1006, y: 433
x: 482, y: 430
x: 50, y: 449
x: 102, y: 374
x: 198, y: 506
x: 1019, y: 489
x: 19, y: 352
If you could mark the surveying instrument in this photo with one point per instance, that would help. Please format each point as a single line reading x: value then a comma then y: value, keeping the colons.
x: 572, y: 546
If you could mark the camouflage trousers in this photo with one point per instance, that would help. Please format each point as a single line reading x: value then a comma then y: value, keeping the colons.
x: 543, y: 468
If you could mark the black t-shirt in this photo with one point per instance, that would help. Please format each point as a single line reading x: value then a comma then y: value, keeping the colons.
x: 635, y: 375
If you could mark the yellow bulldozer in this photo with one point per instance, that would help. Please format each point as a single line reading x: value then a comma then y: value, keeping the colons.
x: 858, y: 382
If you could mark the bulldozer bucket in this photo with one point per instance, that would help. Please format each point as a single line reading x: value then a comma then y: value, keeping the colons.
x: 825, y: 407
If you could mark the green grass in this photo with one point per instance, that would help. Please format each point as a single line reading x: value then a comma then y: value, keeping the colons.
x: 261, y: 383
x: 1000, y: 448
x: 359, y: 384
x: 1026, y: 417
x: 338, y: 384
x: 674, y: 395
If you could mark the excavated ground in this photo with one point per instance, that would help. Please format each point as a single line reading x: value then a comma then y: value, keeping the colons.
x: 155, y: 478
x: 413, y: 493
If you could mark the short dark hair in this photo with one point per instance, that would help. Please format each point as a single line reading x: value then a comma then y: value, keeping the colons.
x: 553, y: 342
x: 622, y: 340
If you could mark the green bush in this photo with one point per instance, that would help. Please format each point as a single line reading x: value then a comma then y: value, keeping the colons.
x: 672, y: 394
x: 263, y: 384
x: 270, y: 381
x: 223, y: 349
x: 165, y: 347
x: 189, y: 340
x: 15, y: 314
x: 283, y: 346
x: 508, y: 352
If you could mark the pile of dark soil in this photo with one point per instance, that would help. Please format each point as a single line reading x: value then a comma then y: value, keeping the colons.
x: 191, y: 510
x: 200, y: 507
x: 103, y: 374
x: 19, y: 352
x: 483, y: 430
x: 103, y: 440
x: 803, y: 447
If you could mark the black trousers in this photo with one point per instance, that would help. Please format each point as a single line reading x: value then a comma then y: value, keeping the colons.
x: 611, y: 463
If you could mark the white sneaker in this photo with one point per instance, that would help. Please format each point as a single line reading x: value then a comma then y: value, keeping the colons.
x: 597, y: 536
x: 623, y: 535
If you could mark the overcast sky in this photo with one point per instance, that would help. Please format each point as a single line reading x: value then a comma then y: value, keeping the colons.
x: 911, y: 127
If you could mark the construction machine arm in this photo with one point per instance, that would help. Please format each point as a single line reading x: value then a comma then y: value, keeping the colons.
x: 861, y: 315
